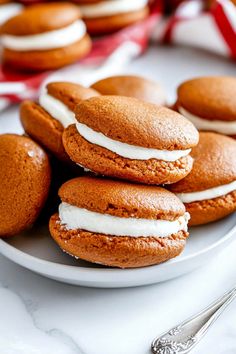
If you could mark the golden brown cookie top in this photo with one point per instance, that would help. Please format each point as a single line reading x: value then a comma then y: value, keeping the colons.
x: 42, y: 18
x: 25, y: 181
x: 212, y: 98
x: 137, y: 123
x: 214, y: 164
x: 121, y: 199
x: 131, y: 86
x: 69, y: 93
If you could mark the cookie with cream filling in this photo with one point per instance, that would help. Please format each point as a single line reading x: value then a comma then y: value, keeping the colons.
x: 209, y: 191
x: 45, y: 36
x: 45, y: 121
x: 130, y: 139
x: 106, y: 16
x: 209, y: 103
x: 119, y: 224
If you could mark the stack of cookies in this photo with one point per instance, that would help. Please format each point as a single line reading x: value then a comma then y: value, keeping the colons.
x: 125, y: 219
x: 209, y: 191
x: 119, y: 215
x: 122, y: 220
x: 146, y: 169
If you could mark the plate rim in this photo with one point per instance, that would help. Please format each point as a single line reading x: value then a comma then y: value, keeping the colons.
x: 49, y: 268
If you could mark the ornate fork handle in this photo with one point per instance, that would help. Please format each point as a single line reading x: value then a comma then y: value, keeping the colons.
x: 184, y: 337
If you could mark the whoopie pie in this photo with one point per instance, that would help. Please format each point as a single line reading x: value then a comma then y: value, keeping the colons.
x: 119, y: 224
x: 45, y: 121
x: 209, y: 191
x: 130, y: 139
x: 105, y: 16
x: 209, y: 103
x: 45, y: 36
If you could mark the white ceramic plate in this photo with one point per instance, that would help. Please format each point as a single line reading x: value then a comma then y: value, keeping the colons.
x: 36, y: 251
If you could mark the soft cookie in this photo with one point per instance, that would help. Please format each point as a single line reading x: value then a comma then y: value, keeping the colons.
x: 107, y: 16
x: 25, y: 176
x: 132, y: 86
x: 209, y: 103
x: 46, y: 121
x: 130, y: 139
x: 119, y: 224
x: 45, y: 36
x: 209, y: 191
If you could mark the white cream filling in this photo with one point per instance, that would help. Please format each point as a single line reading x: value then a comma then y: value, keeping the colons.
x: 9, y: 10
x: 207, y: 193
x: 48, y: 40
x: 57, y: 109
x: 74, y: 218
x: 128, y: 151
x: 224, y: 127
x: 107, y: 8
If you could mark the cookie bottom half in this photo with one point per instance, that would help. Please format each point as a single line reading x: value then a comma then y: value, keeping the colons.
x: 44, y: 129
x: 117, y: 251
x: 47, y: 59
x: 206, y: 211
x: 107, y: 163
x: 109, y: 24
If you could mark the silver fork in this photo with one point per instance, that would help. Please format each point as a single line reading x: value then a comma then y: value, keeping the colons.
x: 184, y: 337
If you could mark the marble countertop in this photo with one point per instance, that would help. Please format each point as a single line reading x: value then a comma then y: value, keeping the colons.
x: 41, y: 316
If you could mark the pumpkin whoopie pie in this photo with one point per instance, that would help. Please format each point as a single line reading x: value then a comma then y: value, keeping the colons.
x: 131, y: 86
x: 8, y: 9
x: 46, y: 121
x: 209, y: 191
x: 106, y: 16
x: 25, y: 176
x: 209, y: 103
x: 45, y: 36
x: 119, y: 224
x: 130, y: 139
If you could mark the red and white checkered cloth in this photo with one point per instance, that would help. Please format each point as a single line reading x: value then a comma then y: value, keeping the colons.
x: 213, y: 29
x: 107, y: 56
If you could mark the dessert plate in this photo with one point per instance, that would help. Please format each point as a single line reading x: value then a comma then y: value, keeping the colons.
x: 35, y: 250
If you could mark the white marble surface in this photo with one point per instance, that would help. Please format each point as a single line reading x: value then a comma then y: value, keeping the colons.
x: 40, y: 316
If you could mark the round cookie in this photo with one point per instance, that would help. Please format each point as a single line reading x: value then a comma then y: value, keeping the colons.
x: 209, y: 191
x: 25, y: 181
x: 45, y: 36
x: 46, y: 121
x: 132, y: 86
x: 107, y: 16
x: 209, y: 103
x: 130, y: 139
x: 119, y: 224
